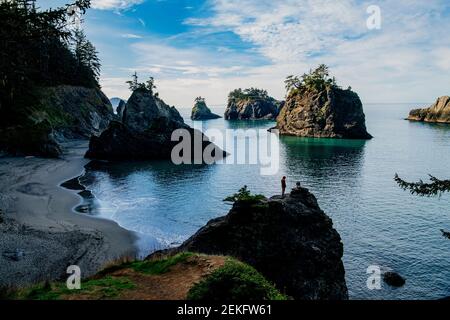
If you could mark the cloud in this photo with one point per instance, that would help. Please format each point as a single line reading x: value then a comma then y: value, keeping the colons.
x: 131, y: 36
x: 114, y: 4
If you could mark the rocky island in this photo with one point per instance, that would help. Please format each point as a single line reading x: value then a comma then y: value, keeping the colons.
x: 317, y: 107
x: 144, y: 131
x: 290, y: 240
x: 251, y: 104
x: 439, y: 112
x: 200, y: 111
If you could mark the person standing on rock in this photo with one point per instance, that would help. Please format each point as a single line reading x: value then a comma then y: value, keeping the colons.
x: 283, y: 186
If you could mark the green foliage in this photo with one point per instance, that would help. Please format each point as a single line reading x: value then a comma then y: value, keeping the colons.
x: 156, y: 267
x: 135, y: 85
x: 234, y: 281
x: 38, y: 48
x: 199, y: 100
x: 244, y: 195
x: 251, y: 94
x: 316, y: 80
x: 107, y: 287
x: 435, y: 188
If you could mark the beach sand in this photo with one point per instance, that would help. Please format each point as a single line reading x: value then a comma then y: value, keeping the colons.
x: 41, y: 235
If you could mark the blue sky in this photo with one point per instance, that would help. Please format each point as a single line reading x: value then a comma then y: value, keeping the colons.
x: 209, y: 47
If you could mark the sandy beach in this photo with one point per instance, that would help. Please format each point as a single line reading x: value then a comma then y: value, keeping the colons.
x: 41, y: 235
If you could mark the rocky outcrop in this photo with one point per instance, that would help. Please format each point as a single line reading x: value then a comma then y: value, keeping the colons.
x: 145, y: 132
x: 57, y: 114
x: 438, y: 112
x: 290, y: 240
x: 120, y: 109
x: 246, y: 105
x: 329, y: 113
x: 74, y: 112
x: 200, y: 111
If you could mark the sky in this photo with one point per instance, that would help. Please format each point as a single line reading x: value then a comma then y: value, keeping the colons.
x: 209, y: 47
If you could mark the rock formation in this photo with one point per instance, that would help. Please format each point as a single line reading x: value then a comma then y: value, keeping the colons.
x: 120, y: 109
x: 145, y: 132
x: 290, y: 240
x: 327, y: 113
x: 200, y: 111
x: 438, y: 112
x: 57, y: 114
x: 251, y: 104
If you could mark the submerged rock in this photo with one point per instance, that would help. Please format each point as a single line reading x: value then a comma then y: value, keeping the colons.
x: 438, y: 112
x: 200, y: 111
x: 394, y: 279
x: 251, y: 104
x: 290, y: 240
x: 328, y: 113
x: 145, y: 132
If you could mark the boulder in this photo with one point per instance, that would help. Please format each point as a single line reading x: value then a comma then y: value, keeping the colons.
x: 290, y: 240
x: 328, y: 113
x: 439, y: 112
x: 394, y: 279
x: 252, y: 104
x: 145, y: 132
x: 200, y: 111
x: 120, y: 109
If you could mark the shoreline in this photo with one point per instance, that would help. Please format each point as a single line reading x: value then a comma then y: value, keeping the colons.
x: 41, y: 232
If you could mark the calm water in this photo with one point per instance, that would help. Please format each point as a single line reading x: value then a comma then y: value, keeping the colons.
x: 353, y: 181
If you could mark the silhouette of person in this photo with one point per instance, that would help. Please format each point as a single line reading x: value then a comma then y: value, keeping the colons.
x: 283, y: 186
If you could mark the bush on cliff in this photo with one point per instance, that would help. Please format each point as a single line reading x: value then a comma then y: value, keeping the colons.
x: 244, y: 195
x: 235, y: 281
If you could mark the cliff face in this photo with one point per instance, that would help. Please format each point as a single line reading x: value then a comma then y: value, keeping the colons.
x: 144, y: 132
x: 56, y: 114
x: 200, y: 111
x: 330, y: 113
x: 290, y: 240
x: 438, y: 112
x: 252, y: 109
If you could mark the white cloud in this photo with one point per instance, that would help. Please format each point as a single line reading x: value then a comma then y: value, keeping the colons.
x: 131, y: 36
x: 114, y: 4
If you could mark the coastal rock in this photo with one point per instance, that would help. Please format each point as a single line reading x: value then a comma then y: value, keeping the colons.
x: 438, y: 112
x: 120, y: 109
x: 145, y: 132
x: 74, y: 112
x: 57, y: 114
x: 394, y: 279
x: 200, y: 111
x: 329, y: 113
x: 251, y: 104
x: 290, y: 240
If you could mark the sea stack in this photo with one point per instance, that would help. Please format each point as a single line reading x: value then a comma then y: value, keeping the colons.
x: 317, y: 107
x: 439, y: 112
x: 200, y: 111
x: 251, y: 104
x: 290, y: 240
x: 145, y: 132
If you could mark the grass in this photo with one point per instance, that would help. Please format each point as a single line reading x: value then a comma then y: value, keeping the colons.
x: 155, y: 267
x: 104, y: 288
x: 235, y: 281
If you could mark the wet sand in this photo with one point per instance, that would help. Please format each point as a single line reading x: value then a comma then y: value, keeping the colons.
x: 41, y: 235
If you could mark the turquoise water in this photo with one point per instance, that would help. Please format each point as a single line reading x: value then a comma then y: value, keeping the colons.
x: 353, y: 181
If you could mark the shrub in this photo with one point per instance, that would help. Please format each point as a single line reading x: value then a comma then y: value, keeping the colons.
x: 244, y: 195
x: 234, y: 281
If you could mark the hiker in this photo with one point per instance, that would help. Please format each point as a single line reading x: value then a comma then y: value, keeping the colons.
x: 283, y: 186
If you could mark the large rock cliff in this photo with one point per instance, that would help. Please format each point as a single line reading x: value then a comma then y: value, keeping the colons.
x: 251, y: 104
x: 328, y: 113
x: 200, y: 111
x: 55, y: 115
x: 145, y: 132
x: 290, y: 240
x: 438, y: 112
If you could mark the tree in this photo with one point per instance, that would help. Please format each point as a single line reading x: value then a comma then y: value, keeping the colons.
x: 86, y: 54
x: 316, y: 80
x: 435, y: 188
x: 149, y: 85
x: 199, y: 100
